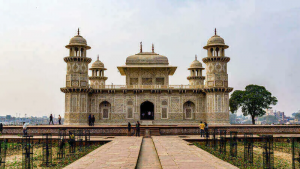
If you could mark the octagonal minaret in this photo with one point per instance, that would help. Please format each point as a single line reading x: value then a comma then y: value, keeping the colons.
x: 196, y: 78
x: 77, y: 84
x: 216, y: 85
x: 97, y: 79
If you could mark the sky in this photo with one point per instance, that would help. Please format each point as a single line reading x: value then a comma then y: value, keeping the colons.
x: 263, y: 39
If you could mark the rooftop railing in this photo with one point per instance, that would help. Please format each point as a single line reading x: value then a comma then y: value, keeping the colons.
x: 148, y: 87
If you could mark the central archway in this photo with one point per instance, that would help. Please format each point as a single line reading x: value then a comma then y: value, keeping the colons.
x: 147, y: 111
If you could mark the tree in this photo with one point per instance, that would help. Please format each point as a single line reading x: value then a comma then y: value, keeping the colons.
x: 253, y: 101
x: 297, y: 116
x: 271, y: 119
x: 232, y: 118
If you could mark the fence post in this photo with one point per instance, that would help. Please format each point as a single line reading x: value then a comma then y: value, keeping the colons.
x: 215, y: 143
x: 47, y: 149
x: 233, y: 143
x: 79, y: 139
x: 61, y: 143
x: 223, y: 141
x: 72, y: 143
x: 87, y: 136
x: 3, y: 148
x: 268, y: 155
x: 27, y: 152
x: 295, y: 152
x: 248, y: 150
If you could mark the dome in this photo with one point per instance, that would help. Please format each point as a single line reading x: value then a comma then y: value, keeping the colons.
x: 78, y: 40
x: 215, y: 40
x: 97, y: 64
x: 147, y: 58
x: 196, y: 64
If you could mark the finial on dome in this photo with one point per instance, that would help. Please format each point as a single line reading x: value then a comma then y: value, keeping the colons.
x: 78, y: 32
x: 195, y: 57
x: 152, y: 48
x: 141, y: 47
x: 215, y: 31
x: 98, y: 57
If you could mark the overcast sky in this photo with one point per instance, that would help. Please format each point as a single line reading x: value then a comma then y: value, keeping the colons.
x: 263, y: 39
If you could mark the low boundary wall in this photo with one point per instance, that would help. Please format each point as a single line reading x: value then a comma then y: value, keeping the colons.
x: 163, y: 130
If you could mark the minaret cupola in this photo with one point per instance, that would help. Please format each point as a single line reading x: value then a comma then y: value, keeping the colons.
x: 77, y: 62
x: 216, y: 62
x: 196, y: 77
x: 97, y: 79
x: 78, y: 46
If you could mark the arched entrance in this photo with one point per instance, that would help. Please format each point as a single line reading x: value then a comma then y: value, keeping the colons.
x: 188, y: 109
x: 147, y: 111
x: 104, y: 109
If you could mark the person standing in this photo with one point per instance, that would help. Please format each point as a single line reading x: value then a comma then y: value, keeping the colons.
x: 206, y: 129
x: 59, y: 119
x: 25, y: 128
x: 201, y: 126
x: 51, y: 119
x: 129, y: 129
x: 90, y: 120
x: 93, y: 120
x: 1, y: 128
x: 137, y: 126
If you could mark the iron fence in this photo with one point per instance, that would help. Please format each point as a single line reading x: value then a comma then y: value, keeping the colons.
x: 47, y: 149
x: 27, y: 152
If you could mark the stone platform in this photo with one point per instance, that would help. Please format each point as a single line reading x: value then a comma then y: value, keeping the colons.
x: 155, y: 130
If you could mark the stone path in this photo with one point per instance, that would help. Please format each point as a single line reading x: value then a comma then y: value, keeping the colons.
x: 148, y: 157
x: 120, y: 153
x: 173, y: 152
x: 167, y: 152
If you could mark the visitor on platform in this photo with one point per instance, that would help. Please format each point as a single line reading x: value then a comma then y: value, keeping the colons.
x: 206, y: 129
x: 129, y: 129
x: 90, y: 120
x: 51, y: 119
x: 59, y: 119
x: 201, y: 126
x: 25, y: 128
x: 1, y: 128
x: 93, y: 120
x: 137, y: 126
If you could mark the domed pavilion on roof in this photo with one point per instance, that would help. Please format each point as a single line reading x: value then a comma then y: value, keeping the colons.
x: 147, y: 95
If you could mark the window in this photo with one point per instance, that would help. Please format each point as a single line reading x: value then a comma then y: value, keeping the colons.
x: 188, y: 113
x: 105, y: 113
x: 164, y: 113
x: 129, y: 113
x: 133, y: 81
x: 147, y: 81
x: 160, y: 81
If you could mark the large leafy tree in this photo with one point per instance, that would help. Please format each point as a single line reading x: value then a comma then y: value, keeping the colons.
x: 297, y: 116
x: 253, y: 101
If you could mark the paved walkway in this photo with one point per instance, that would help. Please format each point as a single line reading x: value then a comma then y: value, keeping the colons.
x: 120, y: 153
x: 167, y: 152
x: 148, y: 158
x: 173, y: 152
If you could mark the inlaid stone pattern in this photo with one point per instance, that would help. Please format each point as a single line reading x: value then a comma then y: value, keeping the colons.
x: 123, y: 108
x: 153, y: 76
x: 147, y: 80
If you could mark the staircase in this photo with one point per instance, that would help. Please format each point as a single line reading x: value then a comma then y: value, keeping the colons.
x: 148, y: 132
x: 147, y: 122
